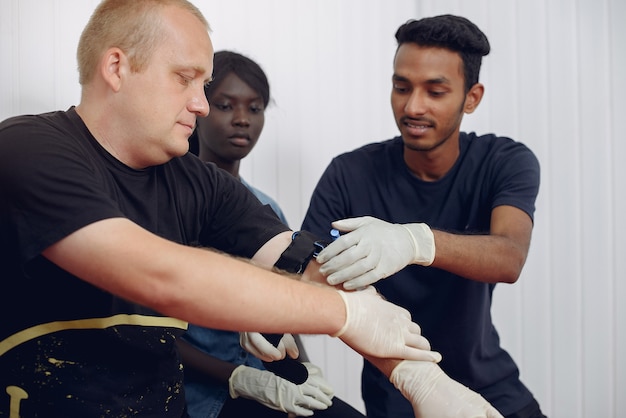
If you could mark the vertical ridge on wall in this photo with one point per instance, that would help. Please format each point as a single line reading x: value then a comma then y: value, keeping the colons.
x: 617, y: 110
x: 562, y: 175
x: 531, y: 128
x: 595, y: 205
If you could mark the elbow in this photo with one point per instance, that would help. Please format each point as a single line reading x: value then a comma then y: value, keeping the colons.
x: 513, y: 269
x: 509, y: 278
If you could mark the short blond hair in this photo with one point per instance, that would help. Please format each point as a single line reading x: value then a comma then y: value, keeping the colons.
x: 134, y: 26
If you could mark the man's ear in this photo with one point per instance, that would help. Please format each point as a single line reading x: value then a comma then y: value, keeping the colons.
x: 473, y: 98
x: 113, y: 65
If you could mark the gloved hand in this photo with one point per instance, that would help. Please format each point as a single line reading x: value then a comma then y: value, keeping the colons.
x: 258, y: 346
x: 434, y: 394
x: 316, y: 378
x: 280, y: 394
x: 379, y: 328
x: 373, y: 250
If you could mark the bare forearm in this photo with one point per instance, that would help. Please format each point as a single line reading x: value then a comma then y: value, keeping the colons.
x: 486, y: 258
x: 193, y: 284
x: 263, y: 301
x: 202, y: 364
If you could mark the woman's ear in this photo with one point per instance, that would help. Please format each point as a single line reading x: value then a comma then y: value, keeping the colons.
x: 473, y: 98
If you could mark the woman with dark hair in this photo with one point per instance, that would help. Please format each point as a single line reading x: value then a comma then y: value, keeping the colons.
x: 222, y: 379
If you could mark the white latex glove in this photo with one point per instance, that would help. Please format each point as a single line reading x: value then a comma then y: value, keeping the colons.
x: 381, y: 329
x: 316, y: 378
x: 256, y: 344
x: 374, y: 249
x: 277, y: 393
x: 434, y: 394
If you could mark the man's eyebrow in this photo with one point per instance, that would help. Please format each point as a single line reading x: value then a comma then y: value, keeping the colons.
x: 197, y: 70
x: 438, y: 80
x: 397, y: 77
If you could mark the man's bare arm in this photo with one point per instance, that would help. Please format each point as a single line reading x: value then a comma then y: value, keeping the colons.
x: 194, y: 284
x: 372, y: 249
x: 493, y: 258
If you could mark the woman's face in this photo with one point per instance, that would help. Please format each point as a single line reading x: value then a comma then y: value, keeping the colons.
x: 233, y: 125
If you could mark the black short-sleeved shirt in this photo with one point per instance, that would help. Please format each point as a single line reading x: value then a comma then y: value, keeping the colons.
x: 454, y: 312
x: 66, y: 347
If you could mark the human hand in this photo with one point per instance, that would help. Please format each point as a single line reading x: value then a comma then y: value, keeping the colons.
x: 256, y: 344
x: 381, y: 329
x: 374, y: 249
x: 280, y: 394
x: 433, y: 393
x: 316, y: 378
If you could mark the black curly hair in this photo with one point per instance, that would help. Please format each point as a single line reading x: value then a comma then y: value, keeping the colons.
x: 455, y: 33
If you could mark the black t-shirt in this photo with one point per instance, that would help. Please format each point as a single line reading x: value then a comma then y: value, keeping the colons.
x: 68, y: 348
x: 454, y: 312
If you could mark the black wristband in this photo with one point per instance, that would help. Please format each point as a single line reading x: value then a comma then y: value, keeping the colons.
x: 304, y: 246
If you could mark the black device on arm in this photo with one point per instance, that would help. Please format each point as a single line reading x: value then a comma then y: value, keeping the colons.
x: 304, y: 246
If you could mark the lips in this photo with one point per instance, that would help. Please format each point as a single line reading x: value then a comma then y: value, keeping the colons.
x: 239, y: 139
x: 189, y: 126
x: 416, y: 127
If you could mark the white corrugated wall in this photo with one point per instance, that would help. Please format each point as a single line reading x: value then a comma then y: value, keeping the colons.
x: 555, y: 80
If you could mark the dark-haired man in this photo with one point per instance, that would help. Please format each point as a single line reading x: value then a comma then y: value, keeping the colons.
x: 454, y: 207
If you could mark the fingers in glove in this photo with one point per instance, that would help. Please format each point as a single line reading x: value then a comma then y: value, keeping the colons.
x: 309, y: 400
x: 344, y: 242
x: 350, y: 224
x: 354, y: 276
x: 258, y: 345
x: 433, y: 393
x: 316, y: 378
x: 322, y: 384
x: 314, y: 397
x: 419, y: 346
x: 344, y: 246
x: 289, y: 345
x: 417, y: 354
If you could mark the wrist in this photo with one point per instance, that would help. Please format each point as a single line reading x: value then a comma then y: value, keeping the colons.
x: 232, y: 385
x: 423, y: 242
x: 343, y: 329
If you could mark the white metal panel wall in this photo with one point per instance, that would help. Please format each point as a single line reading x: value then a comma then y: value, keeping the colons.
x: 554, y: 80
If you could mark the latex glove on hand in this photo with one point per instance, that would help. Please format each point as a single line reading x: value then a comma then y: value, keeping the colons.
x: 316, y: 378
x: 374, y: 249
x: 379, y: 328
x: 434, y: 394
x: 280, y: 394
x: 256, y: 344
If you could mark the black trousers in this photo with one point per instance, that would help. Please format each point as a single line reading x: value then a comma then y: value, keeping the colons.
x: 244, y: 408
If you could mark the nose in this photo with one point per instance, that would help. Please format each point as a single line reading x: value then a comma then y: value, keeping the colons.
x: 199, y: 104
x: 240, y: 116
x: 415, y: 105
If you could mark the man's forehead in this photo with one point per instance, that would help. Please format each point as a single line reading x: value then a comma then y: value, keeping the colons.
x: 439, y: 64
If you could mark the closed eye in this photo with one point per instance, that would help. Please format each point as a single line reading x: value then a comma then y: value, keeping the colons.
x: 435, y: 93
x: 400, y: 88
x: 222, y: 106
x: 184, y: 79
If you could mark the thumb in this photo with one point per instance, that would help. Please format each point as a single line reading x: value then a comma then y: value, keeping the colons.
x: 350, y: 224
x: 289, y: 343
